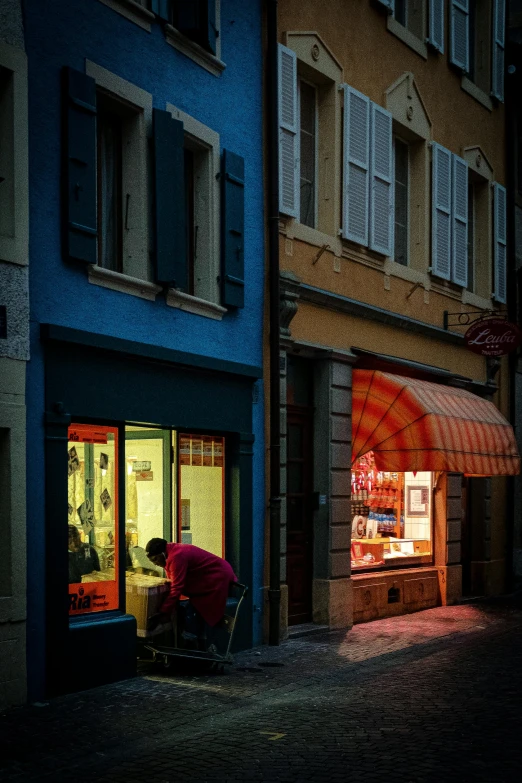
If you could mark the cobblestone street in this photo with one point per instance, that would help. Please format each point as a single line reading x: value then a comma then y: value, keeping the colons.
x: 434, y: 696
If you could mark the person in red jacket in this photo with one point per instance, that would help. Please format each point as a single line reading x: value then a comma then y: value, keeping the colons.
x: 193, y: 572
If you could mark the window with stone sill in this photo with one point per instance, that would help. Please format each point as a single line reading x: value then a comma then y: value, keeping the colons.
x: 195, y: 19
x: 411, y: 14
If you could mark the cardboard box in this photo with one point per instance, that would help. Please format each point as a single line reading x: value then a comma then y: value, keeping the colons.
x: 145, y: 594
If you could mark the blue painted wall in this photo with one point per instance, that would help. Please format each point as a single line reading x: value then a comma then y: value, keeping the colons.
x: 66, y: 33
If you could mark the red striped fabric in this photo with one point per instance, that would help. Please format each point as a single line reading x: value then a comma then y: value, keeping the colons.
x: 417, y: 425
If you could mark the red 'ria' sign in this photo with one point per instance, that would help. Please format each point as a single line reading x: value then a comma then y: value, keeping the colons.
x: 493, y: 337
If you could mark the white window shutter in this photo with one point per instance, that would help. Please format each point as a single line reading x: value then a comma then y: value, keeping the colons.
x: 499, y: 227
x: 459, y: 235
x: 497, y: 52
x: 459, y: 34
x: 389, y: 4
x: 381, y: 181
x: 288, y: 133
x: 356, y: 165
x: 436, y: 25
x: 441, y: 212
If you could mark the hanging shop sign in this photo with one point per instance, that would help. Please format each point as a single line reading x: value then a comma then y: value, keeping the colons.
x: 493, y: 337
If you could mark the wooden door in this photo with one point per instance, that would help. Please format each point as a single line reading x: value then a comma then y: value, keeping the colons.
x: 300, y: 509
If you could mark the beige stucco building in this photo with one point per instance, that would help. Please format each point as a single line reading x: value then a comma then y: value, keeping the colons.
x: 392, y: 224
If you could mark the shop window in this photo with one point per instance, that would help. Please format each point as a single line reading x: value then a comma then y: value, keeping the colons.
x: 402, y: 187
x: 93, y: 542
x: 391, y: 517
x: 201, y: 476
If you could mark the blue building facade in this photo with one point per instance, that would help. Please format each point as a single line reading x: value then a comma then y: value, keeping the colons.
x: 144, y: 386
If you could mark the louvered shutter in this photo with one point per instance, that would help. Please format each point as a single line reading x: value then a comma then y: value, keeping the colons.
x: 381, y: 185
x: 497, y: 53
x: 459, y: 237
x: 388, y: 4
x: 436, y: 24
x: 356, y: 166
x: 169, y: 189
x: 233, y: 230
x: 161, y: 8
x: 500, y: 252
x: 459, y: 34
x: 80, y: 215
x: 441, y: 212
x: 288, y: 133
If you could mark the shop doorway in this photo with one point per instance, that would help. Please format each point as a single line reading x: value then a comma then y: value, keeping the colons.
x: 300, y: 510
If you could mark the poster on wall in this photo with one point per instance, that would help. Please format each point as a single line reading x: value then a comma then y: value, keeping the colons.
x: 418, y: 501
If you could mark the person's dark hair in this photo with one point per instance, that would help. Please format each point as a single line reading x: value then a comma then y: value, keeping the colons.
x: 156, y: 546
x: 73, y: 530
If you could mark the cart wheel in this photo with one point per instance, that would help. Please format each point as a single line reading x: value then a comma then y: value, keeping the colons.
x: 167, y: 663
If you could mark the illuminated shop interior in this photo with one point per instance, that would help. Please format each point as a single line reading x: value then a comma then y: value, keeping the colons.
x: 391, y: 516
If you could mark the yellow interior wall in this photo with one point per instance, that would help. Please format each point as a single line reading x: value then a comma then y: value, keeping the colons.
x: 149, y: 493
x: 203, y: 486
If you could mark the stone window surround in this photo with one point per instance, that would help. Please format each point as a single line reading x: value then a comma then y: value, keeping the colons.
x: 135, y: 278
x: 15, y: 248
x: 135, y: 11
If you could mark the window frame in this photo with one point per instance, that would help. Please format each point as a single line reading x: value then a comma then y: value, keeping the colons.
x: 309, y: 83
x: 136, y: 275
x: 14, y: 246
x: 206, y: 298
x: 401, y: 140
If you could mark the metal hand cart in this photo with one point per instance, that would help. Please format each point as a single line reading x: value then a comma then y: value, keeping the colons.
x: 217, y: 654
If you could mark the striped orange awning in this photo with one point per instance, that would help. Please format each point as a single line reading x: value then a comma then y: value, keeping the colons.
x: 417, y: 425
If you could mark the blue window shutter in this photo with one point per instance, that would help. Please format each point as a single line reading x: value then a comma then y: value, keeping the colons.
x: 500, y: 251
x: 436, y: 25
x: 497, y: 52
x: 381, y: 183
x: 459, y: 34
x: 356, y: 166
x: 80, y: 218
x: 441, y: 212
x: 459, y: 236
x: 161, y: 8
x: 169, y: 190
x: 288, y: 132
x: 233, y: 230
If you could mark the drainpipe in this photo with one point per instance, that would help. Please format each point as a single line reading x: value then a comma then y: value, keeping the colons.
x: 272, y: 133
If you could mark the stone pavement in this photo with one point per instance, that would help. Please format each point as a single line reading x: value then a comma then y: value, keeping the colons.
x: 434, y: 696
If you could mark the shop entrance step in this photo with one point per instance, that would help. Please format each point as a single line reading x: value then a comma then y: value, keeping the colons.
x: 305, y: 629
